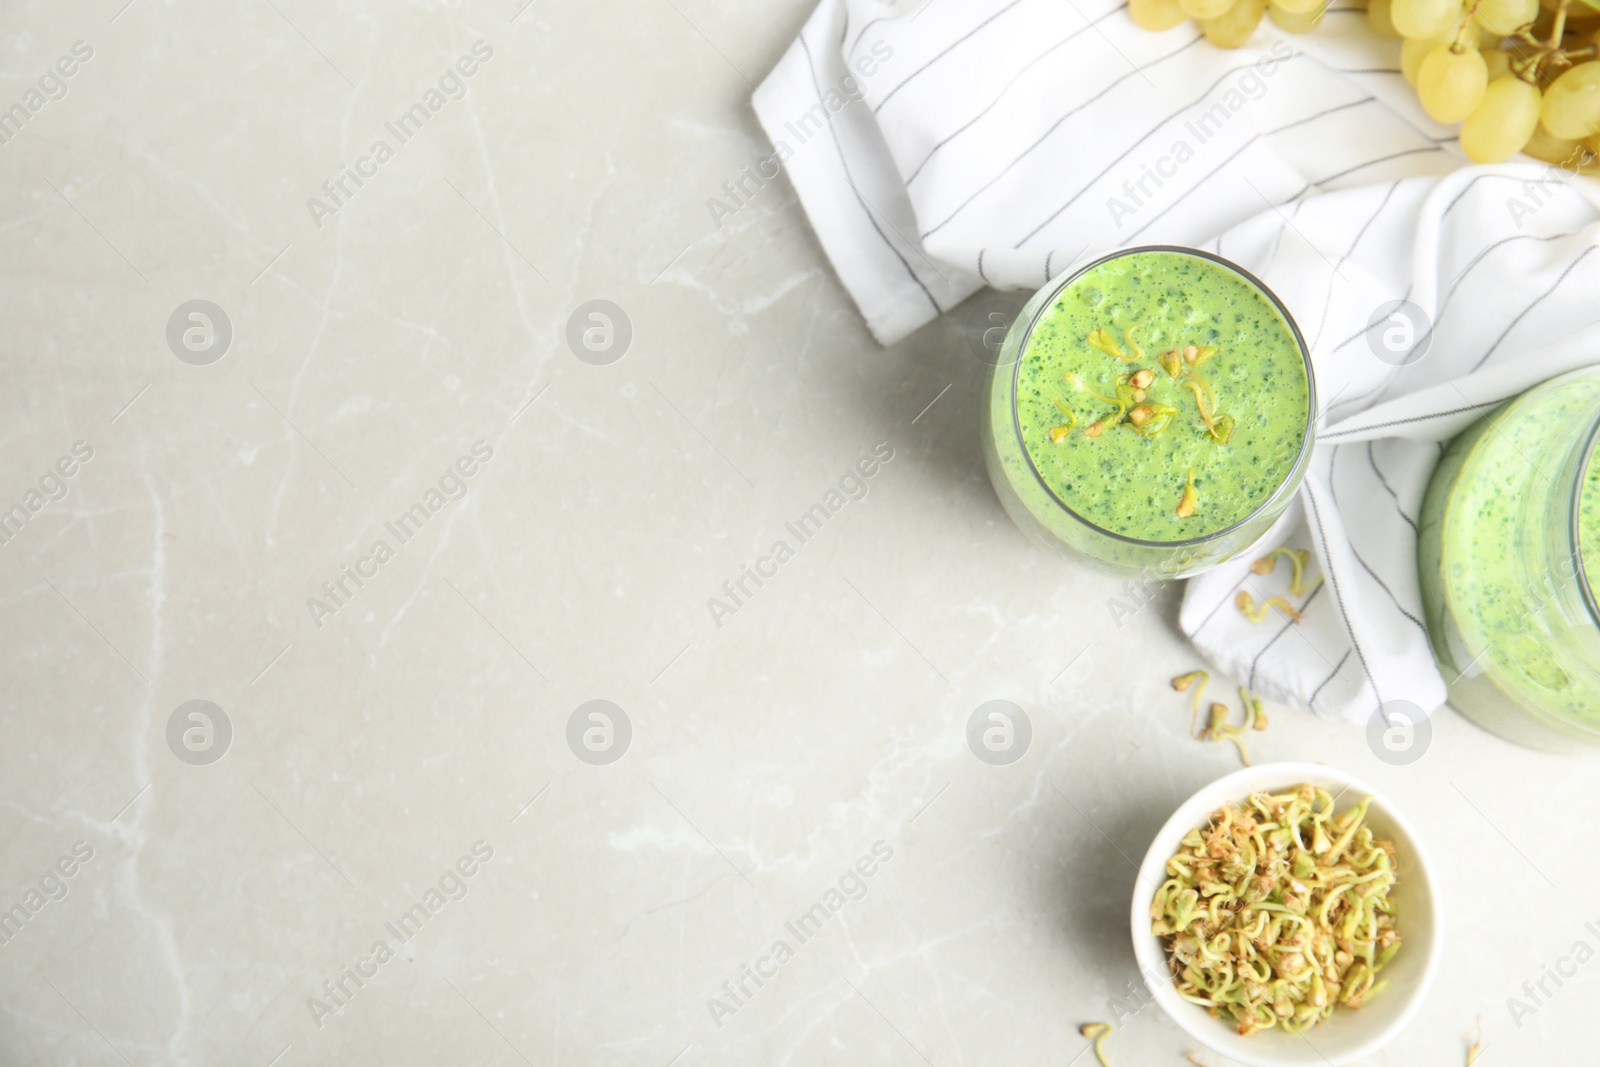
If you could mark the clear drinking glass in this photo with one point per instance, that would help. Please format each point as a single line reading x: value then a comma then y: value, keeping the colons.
x: 1039, y: 509
x: 1510, y: 603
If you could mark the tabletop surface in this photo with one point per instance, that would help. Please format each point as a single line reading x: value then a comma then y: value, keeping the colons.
x: 357, y: 464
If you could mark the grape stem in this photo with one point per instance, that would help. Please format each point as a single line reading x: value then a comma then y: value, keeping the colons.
x: 1560, y: 25
x: 1460, y: 45
x: 1548, y: 57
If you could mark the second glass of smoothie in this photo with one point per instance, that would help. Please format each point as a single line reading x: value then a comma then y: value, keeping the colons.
x: 1151, y: 411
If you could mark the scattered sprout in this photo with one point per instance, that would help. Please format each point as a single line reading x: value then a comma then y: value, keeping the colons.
x: 1217, y: 727
x: 1219, y: 730
x: 1247, y: 607
x: 1298, y: 558
x: 1098, y: 1032
x: 1182, y: 683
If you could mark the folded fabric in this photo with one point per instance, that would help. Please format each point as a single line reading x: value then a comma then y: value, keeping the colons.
x: 1511, y: 308
x: 940, y: 147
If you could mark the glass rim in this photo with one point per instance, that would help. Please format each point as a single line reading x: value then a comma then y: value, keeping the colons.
x: 1307, y: 440
x: 1591, y: 442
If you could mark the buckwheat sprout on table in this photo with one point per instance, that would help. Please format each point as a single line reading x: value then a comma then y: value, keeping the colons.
x: 1298, y: 559
x: 1098, y: 1032
x: 1217, y: 727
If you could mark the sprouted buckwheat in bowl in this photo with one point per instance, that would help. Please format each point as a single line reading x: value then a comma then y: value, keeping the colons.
x: 1285, y: 916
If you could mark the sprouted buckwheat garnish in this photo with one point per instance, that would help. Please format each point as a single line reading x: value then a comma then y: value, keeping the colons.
x: 1151, y: 419
x: 1278, y: 912
x: 1102, y: 339
x: 1059, y: 433
x: 1190, y: 498
x: 1098, y: 1032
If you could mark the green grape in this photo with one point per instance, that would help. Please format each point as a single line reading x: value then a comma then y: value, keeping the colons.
x: 1503, y: 122
x: 1451, y: 84
x: 1572, y: 103
x: 1156, y: 15
x: 1295, y: 21
x: 1425, y: 18
x: 1498, y: 61
x: 1381, y: 19
x: 1413, y: 50
x: 1206, y: 9
x: 1502, y: 17
x: 1300, y: 7
x: 1235, y: 26
x: 1545, y: 146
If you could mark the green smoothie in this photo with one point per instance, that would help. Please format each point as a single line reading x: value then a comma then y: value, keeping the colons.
x: 1511, y: 510
x: 1158, y: 399
x: 1589, y: 523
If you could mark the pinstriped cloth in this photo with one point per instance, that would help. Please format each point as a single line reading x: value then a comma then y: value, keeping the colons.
x: 939, y: 147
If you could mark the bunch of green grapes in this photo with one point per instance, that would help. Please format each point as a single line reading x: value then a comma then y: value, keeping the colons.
x: 1519, y: 75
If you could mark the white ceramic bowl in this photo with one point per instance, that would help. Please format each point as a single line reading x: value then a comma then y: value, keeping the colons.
x: 1348, y: 1035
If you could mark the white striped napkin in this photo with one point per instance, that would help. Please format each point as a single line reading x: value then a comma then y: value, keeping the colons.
x: 938, y: 147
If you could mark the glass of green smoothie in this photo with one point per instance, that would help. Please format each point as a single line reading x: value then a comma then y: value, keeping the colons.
x: 1151, y: 411
x: 1509, y: 554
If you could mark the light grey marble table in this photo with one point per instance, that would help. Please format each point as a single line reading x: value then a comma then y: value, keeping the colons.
x: 401, y: 765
